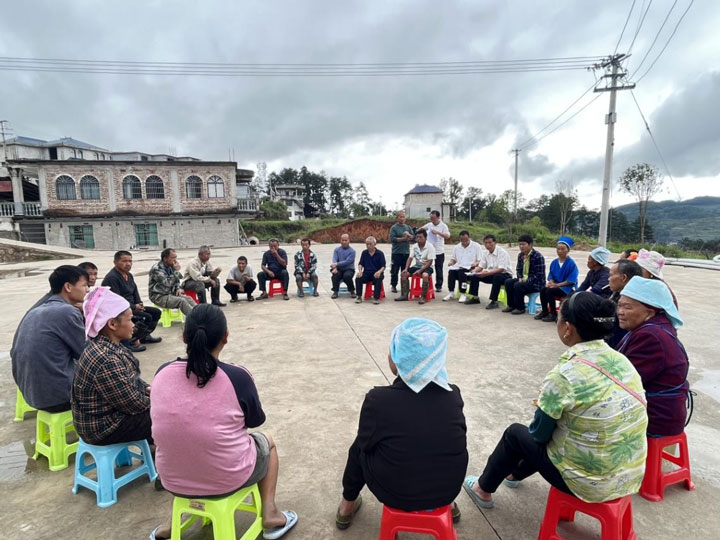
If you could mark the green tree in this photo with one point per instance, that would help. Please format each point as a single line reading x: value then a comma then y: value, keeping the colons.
x: 274, y: 210
x: 285, y: 176
x: 314, y: 199
x: 472, y: 204
x: 362, y: 201
x: 452, y: 190
x: 643, y: 181
x: 340, y: 196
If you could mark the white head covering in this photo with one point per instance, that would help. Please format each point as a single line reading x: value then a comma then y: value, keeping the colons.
x: 652, y: 261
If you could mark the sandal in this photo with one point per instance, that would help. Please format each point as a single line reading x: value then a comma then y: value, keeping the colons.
x: 291, y: 518
x: 343, y: 522
x: 467, y: 486
x: 455, y: 513
x: 511, y: 483
x: 154, y: 536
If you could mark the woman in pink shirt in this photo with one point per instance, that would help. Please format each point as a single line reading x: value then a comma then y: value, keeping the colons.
x: 201, y: 409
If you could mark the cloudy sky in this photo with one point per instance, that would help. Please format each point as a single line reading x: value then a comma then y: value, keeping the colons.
x: 391, y: 132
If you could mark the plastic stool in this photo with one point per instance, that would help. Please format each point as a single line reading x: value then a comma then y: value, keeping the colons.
x: 193, y: 295
x: 58, y: 450
x: 221, y: 512
x: 615, y: 516
x: 169, y: 316
x: 655, y: 481
x: 532, y: 302
x: 104, y: 460
x: 416, y: 288
x: 307, y: 287
x: 21, y: 406
x: 370, y: 290
x: 436, y: 522
x: 502, y: 296
x: 275, y: 288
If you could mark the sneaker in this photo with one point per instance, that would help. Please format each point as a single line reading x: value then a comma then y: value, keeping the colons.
x: 517, y: 311
x: 263, y: 296
x: 507, y: 310
x: 541, y: 315
x: 449, y: 297
x: 334, y: 295
x: 492, y: 305
x: 358, y: 300
x: 471, y: 301
x: 463, y: 298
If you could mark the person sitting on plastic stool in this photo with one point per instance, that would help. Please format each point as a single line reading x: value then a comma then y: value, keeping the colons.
x: 530, y: 276
x: 200, y: 274
x: 274, y: 266
x: 465, y: 256
x: 423, y: 254
x: 305, y: 266
x: 342, y: 268
x: 371, y: 269
x: 240, y: 280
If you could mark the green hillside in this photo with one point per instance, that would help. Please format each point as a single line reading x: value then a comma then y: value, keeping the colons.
x: 674, y: 220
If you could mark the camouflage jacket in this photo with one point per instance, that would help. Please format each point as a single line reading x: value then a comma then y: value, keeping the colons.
x: 163, y: 281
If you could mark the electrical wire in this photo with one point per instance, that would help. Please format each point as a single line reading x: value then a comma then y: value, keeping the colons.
x: 624, y: 27
x: 642, y: 20
x: 667, y: 42
x: 656, y: 36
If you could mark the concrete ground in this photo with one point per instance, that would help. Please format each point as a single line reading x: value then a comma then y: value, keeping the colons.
x: 313, y: 360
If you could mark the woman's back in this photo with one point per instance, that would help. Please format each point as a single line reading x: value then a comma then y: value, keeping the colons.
x: 203, y: 447
x: 599, y: 443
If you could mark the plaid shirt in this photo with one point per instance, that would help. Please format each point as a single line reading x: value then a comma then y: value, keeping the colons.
x: 536, y: 276
x: 107, y: 387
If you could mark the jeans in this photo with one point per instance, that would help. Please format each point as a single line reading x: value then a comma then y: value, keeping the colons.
x: 548, y: 296
x: 516, y: 291
x: 497, y: 280
x: 439, y: 262
x: 369, y: 278
x: 283, y: 276
x: 398, y: 262
x: 519, y: 454
x: 343, y: 276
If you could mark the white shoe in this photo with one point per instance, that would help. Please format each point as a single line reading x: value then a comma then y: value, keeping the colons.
x: 449, y: 297
x: 463, y: 298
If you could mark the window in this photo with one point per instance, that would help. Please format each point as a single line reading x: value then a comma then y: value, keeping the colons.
x: 65, y: 188
x: 193, y: 187
x: 89, y: 187
x: 154, y: 188
x: 428, y: 209
x: 216, y: 187
x: 81, y: 236
x: 146, y: 235
x: 132, y: 188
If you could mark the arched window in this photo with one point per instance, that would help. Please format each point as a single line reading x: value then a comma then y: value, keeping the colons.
x: 132, y: 188
x: 65, y: 188
x: 154, y: 188
x: 216, y: 187
x: 193, y: 187
x: 89, y: 187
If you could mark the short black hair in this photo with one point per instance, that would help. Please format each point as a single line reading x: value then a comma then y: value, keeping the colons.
x: 464, y: 233
x: 489, y: 237
x: 66, y: 273
x: 629, y: 268
x: 87, y: 265
x: 120, y: 254
x: 306, y: 239
x: 435, y: 213
x: 423, y: 232
x: 166, y: 253
x: 242, y: 258
x: 525, y: 238
x: 593, y: 316
x: 629, y: 252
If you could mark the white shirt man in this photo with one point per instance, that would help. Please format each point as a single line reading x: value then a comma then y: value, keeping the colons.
x: 437, y: 233
x: 493, y: 267
x: 465, y: 256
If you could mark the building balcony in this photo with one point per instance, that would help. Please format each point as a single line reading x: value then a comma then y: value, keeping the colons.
x: 28, y: 209
x: 247, y: 205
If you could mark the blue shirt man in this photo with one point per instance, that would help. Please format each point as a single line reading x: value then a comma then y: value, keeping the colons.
x: 343, y: 266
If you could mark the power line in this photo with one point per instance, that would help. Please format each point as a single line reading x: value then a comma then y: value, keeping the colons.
x: 656, y: 36
x: 667, y: 42
x: 642, y: 20
x: 624, y: 27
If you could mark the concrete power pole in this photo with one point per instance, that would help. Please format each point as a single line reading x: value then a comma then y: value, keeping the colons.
x: 610, y: 119
x: 3, y: 131
x: 516, y: 151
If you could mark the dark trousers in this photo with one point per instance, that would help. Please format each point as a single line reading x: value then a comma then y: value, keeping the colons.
x: 57, y: 408
x: 233, y: 290
x: 343, y: 276
x: 283, y: 276
x: 497, y: 280
x: 200, y: 286
x: 398, y: 262
x: 457, y: 275
x: 548, y: 296
x: 145, y: 321
x: 353, y: 478
x: 519, y: 454
x: 516, y: 291
x: 439, y: 262
x: 133, y: 427
x: 369, y: 277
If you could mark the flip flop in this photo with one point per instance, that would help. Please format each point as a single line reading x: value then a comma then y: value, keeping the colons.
x: 467, y: 486
x: 153, y: 534
x: 291, y: 518
x: 343, y: 522
x: 511, y: 483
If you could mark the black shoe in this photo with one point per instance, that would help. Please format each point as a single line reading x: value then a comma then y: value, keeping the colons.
x: 219, y: 304
x: 286, y: 297
x: 136, y: 347
x: 401, y: 299
x: 334, y: 295
x: 394, y: 289
x: 541, y: 315
x: 233, y: 300
x: 251, y: 298
x: 517, y: 311
x: 550, y: 317
x: 473, y: 300
x: 507, y: 310
x: 151, y: 339
x: 492, y: 305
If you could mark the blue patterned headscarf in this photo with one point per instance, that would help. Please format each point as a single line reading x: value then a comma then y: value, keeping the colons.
x: 418, y: 347
x: 653, y: 293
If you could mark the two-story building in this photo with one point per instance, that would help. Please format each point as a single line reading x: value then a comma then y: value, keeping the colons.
x: 292, y: 195
x: 423, y: 199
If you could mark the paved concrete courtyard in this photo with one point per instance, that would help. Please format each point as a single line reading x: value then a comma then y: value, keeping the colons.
x: 313, y: 360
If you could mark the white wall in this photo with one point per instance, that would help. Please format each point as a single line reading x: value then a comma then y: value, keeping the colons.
x: 417, y: 204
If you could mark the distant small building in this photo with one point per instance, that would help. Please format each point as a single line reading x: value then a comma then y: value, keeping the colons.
x: 423, y: 199
x: 292, y: 196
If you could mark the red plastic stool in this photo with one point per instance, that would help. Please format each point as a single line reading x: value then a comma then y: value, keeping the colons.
x: 436, y: 522
x: 416, y: 288
x: 655, y: 481
x: 275, y: 288
x: 615, y: 516
x: 193, y: 295
x: 370, y: 289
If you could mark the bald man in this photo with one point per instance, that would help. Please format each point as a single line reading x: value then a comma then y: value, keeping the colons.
x: 343, y: 266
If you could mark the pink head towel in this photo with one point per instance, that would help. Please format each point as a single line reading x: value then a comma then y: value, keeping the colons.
x: 101, y: 305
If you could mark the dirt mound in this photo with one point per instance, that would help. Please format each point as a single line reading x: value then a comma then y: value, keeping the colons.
x: 358, y: 230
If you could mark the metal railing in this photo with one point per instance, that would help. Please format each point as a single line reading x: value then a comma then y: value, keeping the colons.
x: 32, y: 209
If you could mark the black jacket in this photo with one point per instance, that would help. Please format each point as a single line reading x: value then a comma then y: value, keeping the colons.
x: 127, y: 289
x: 413, y: 446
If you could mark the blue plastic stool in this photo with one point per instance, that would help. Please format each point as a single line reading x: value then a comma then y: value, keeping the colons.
x: 308, y: 287
x: 343, y: 289
x: 532, y: 302
x: 105, y: 459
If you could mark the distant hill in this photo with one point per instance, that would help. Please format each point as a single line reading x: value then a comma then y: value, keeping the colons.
x: 674, y: 220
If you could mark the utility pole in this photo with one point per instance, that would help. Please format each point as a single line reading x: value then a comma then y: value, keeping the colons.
x: 4, y: 130
x: 615, y: 74
x: 516, y: 151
